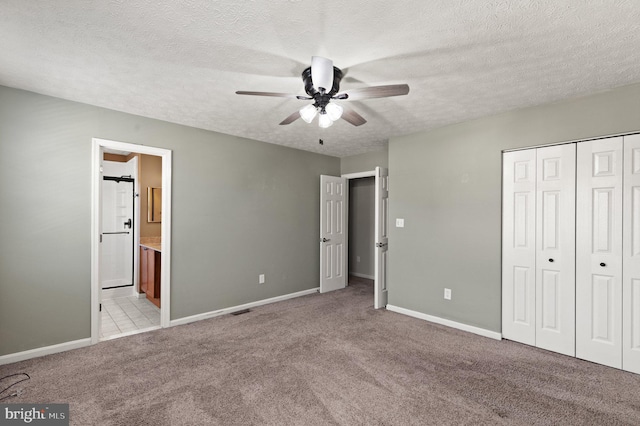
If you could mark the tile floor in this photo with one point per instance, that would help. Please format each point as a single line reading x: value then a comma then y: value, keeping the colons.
x: 127, y: 314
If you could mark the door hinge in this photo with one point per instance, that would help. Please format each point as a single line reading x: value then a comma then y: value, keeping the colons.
x: 100, y: 237
x: 100, y: 309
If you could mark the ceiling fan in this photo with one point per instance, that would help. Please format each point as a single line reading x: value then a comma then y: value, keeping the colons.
x: 322, y: 83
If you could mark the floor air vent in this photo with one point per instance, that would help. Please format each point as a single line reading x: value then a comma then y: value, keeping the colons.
x: 243, y: 311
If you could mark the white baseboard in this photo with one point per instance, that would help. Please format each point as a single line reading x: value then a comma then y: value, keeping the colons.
x: 448, y: 323
x: 212, y: 314
x: 47, y: 350
x: 359, y: 275
x: 67, y: 346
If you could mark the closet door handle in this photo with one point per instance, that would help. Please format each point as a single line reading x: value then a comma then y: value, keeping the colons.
x: 551, y: 260
x: 603, y: 264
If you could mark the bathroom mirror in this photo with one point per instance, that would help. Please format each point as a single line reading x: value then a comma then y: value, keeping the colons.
x: 154, y: 204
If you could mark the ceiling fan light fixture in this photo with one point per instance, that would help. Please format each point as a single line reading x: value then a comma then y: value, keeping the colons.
x: 322, y: 84
x: 308, y: 113
x: 334, y: 111
x: 324, y: 121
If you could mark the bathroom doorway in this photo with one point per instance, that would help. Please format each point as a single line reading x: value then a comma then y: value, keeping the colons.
x: 124, y: 308
x: 121, y: 303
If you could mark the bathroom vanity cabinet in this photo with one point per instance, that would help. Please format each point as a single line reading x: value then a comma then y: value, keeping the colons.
x: 150, y: 273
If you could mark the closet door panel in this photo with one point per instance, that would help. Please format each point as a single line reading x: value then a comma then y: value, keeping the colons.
x: 631, y: 255
x: 555, y: 248
x: 599, y: 251
x: 518, y: 246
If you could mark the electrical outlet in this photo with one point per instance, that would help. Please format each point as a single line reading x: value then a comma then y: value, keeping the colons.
x: 447, y: 293
x: 261, y: 279
x: 399, y: 223
x: 357, y: 258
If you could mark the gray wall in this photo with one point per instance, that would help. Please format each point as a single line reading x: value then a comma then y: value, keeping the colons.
x: 361, y: 225
x: 240, y: 208
x: 364, y: 162
x: 446, y: 184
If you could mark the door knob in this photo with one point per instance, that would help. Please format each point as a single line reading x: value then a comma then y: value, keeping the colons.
x: 551, y: 260
x: 324, y: 240
x: 603, y: 264
x: 127, y: 224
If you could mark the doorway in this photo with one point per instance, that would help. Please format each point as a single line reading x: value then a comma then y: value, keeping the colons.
x: 334, y: 232
x: 361, y: 225
x: 115, y: 256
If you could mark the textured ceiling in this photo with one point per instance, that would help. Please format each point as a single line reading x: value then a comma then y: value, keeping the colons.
x: 182, y: 61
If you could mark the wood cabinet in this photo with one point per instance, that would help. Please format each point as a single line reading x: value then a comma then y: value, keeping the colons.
x: 150, y: 274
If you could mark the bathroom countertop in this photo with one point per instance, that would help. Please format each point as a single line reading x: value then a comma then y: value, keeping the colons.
x: 154, y: 243
x: 152, y: 246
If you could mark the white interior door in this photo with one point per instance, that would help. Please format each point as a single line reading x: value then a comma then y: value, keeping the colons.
x: 631, y: 255
x: 555, y: 248
x: 599, y: 251
x: 518, y: 246
x: 381, y: 237
x: 333, y: 218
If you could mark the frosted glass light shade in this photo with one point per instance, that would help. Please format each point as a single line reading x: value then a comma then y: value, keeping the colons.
x: 324, y: 121
x: 322, y: 73
x: 334, y: 111
x: 308, y: 113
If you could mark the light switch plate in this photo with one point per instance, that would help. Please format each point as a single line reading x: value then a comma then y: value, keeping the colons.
x: 399, y: 223
x: 261, y: 279
x: 447, y: 293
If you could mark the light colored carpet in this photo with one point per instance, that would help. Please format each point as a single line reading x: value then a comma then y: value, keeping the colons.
x: 321, y: 360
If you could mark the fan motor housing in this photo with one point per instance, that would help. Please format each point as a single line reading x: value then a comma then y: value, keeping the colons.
x: 308, y: 82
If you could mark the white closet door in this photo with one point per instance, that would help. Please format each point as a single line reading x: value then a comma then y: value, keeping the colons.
x: 631, y: 255
x: 555, y: 248
x: 599, y: 252
x: 518, y: 246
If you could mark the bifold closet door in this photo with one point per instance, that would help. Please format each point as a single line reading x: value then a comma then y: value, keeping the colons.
x: 518, y: 246
x: 555, y: 248
x: 538, y: 258
x: 631, y: 255
x: 599, y: 251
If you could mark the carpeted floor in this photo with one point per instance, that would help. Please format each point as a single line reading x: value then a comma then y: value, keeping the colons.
x: 321, y: 360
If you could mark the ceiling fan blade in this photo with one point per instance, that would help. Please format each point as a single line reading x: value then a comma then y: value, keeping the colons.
x: 377, y: 92
x: 274, y: 94
x: 290, y: 119
x: 352, y: 117
x: 322, y: 73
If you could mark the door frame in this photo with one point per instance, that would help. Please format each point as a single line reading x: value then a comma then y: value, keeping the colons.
x: 349, y: 176
x: 165, y: 275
